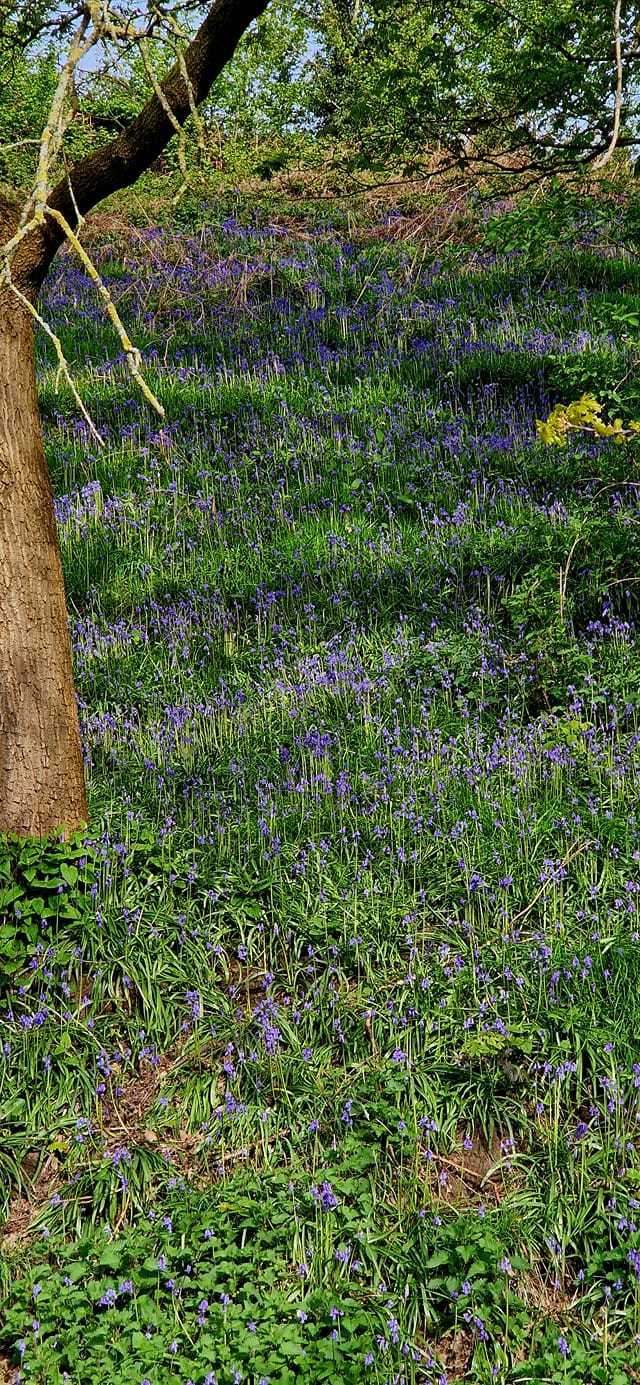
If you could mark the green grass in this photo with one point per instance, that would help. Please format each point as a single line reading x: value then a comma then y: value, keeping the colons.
x: 346, y: 974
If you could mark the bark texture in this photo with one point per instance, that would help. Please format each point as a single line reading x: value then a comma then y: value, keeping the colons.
x: 41, y: 769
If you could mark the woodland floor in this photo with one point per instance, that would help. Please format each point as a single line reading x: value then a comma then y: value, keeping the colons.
x: 321, y: 1056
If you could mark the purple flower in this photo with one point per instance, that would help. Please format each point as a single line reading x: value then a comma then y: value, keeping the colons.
x: 325, y: 1197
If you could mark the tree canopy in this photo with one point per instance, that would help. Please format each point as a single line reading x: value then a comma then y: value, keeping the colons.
x: 542, y: 87
x: 521, y: 83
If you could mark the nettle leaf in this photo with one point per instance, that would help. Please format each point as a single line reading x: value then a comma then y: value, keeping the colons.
x: 9, y: 895
x: 111, y: 1257
x: 485, y: 1045
x: 140, y: 1343
x: 441, y: 1257
x: 68, y: 911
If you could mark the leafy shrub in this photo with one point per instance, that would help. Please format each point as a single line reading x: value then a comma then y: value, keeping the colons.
x: 536, y: 224
x: 41, y: 883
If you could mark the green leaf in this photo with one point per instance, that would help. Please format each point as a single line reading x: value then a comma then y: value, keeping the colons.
x: 441, y: 1257
x: 7, y: 897
x: 111, y: 1257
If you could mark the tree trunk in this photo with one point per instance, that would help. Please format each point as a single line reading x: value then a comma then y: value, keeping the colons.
x: 41, y: 769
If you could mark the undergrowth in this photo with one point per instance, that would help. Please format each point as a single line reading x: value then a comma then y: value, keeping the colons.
x: 320, y: 1050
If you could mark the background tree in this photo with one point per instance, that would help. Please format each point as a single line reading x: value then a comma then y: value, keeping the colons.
x: 263, y: 93
x: 259, y: 99
x: 41, y: 771
x: 26, y: 91
x: 526, y: 84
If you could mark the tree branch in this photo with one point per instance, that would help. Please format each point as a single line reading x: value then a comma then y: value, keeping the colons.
x: 121, y: 162
x: 617, y: 110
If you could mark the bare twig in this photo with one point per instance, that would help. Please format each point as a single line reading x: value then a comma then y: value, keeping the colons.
x: 63, y: 368
x: 132, y: 353
x: 564, y: 575
x: 54, y: 129
x: 574, y: 850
